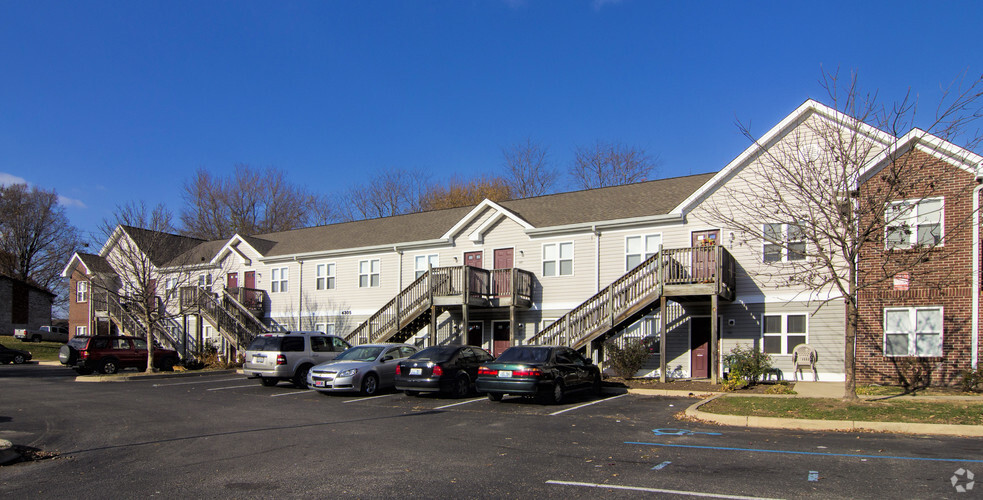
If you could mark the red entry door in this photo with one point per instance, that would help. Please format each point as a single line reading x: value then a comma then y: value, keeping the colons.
x: 704, y: 255
x: 473, y: 259
x: 250, y: 279
x: 503, y: 279
x: 699, y: 347
x: 252, y: 300
x: 233, y: 281
x: 501, y: 337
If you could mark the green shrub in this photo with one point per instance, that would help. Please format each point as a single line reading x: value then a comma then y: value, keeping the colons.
x: 627, y: 360
x: 780, y: 388
x: 746, y: 365
x: 972, y: 380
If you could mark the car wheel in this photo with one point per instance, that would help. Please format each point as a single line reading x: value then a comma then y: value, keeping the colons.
x: 370, y: 385
x: 495, y: 396
x: 36, y: 339
x: 462, y: 386
x: 411, y: 393
x: 83, y: 371
x: 300, y: 377
x: 109, y: 367
x: 18, y: 359
x: 269, y: 381
x: 556, y: 395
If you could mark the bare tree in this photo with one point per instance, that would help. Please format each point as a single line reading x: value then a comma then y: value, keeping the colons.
x: 36, y: 238
x: 610, y: 164
x: 391, y: 192
x: 250, y: 201
x: 151, y: 262
x: 528, y: 169
x: 807, y: 199
x: 462, y: 193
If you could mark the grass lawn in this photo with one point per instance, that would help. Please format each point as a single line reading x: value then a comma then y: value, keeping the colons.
x: 893, y: 390
x: 955, y: 412
x: 41, y: 351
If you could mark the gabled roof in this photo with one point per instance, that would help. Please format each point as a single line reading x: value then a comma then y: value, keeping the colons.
x: 921, y: 140
x: 92, y: 263
x: 161, y: 248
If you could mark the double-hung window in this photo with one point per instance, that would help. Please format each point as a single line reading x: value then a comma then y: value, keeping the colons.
x: 205, y: 281
x: 783, y: 242
x: 913, y: 331
x: 421, y: 263
x: 82, y: 291
x: 914, y: 222
x: 324, y: 277
x: 780, y: 333
x: 327, y: 328
x: 368, y: 273
x: 640, y: 248
x: 558, y: 259
x: 278, y: 283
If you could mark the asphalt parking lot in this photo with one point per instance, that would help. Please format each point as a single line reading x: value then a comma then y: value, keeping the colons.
x: 223, y: 436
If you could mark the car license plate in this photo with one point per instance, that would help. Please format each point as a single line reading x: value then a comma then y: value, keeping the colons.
x: 318, y: 383
x: 505, y: 374
x: 416, y: 371
x: 259, y: 359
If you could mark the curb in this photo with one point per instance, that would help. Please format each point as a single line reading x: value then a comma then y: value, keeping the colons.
x: 830, y: 425
x: 673, y: 392
x: 129, y: 377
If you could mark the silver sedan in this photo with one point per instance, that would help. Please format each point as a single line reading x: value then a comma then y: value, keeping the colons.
x: 365, y: 368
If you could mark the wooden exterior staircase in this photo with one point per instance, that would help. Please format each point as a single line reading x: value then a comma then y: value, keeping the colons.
x: 236, y: 322
x: 441, y: 288
x: 130, y: 324
x: 684, y: 274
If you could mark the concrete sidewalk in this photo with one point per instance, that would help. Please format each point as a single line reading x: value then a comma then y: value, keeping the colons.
x: 820, y: 389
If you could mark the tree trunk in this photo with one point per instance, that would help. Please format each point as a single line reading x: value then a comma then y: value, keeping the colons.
x: 849, y: 350
x: 150, y: 344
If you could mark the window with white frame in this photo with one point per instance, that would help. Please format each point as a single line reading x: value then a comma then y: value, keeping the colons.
x: 368, y: 273
x: 205, y: 281
x: 913, y: 222
x: 170, y: 283
x: 913, y: 331
x: 639, y: 248
x: 558, y: 259
x: 325, y: 277
x: 81, y: 330
x: 82, y: 291
x: 783, y: 242
x: 327, y: 328
x: 423, y: 262
x: 780, y: 333
x: 278, y: 281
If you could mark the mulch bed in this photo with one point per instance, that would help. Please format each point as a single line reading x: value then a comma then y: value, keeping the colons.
x: 694, y: 386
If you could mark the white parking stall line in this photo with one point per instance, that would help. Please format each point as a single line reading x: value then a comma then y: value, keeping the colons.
x: 656, y: 490
x: 586, y: 404
x: 199, y: 382
x: 461, y: 403
x: 293, y: 393
x: 368, y: 398
x: 231, y: 387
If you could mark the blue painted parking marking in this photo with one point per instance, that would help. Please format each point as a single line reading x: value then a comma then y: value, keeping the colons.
x: 681, y: 432
x: 814, y: 475
x: 662, y: 465
x: 792, y: 452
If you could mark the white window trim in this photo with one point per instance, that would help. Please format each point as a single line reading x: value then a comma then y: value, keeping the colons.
x: 81, y: 330
x: 783, y: 244
x: 82, y: 291
x: 646, y: 252
x: 913, y: 335
x: 558, y: 245
x: 325, y: 281
x: 282, y: 284
x: 205, y: 281
x: 913, y: 240
x: 430, y: 259
x: 370, y: 273
x: 324, y: 327
x: 784, y: 333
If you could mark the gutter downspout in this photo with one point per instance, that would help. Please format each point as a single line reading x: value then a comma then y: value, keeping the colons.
x: 300, y: 294
x: 974, y: 356
x: 597, y: 258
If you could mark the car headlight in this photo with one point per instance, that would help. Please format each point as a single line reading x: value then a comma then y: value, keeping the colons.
x: 348, y: 373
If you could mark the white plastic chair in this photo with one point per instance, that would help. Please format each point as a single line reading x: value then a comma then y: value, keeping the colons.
x: 804, y: 355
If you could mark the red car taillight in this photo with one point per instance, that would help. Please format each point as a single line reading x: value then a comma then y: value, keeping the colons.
x: 281, y: 359
x: 437, y: 371
x: 528, y: 372
x: 399, y: 370
x: 84, y: 354
x: 484, y: 370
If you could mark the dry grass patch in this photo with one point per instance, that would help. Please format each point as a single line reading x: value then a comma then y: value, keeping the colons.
x: 929, y: 412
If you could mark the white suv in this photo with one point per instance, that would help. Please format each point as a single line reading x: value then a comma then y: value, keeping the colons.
x: 274, y: 357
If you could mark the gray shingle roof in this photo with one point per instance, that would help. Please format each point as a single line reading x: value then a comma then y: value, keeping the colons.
x: 95, y: 264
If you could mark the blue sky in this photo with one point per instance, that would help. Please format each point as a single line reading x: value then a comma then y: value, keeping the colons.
x: 108, y: 102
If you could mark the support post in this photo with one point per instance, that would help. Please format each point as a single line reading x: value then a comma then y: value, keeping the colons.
x: 714, y: 334
x: 512, y: 324
x: 663, y: 338
x: 464, y: 329
x: 433, y: 323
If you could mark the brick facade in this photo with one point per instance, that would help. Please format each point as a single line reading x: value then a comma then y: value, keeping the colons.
x: 23, y: 306
x: 79, y: 313
x: 940, y: 276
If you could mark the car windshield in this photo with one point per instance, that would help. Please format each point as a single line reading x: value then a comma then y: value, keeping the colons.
x: 524, y: 355
x: 265, y: 344
x: 78, y: 342
x: 437, y: 354
x: 360, y: 353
